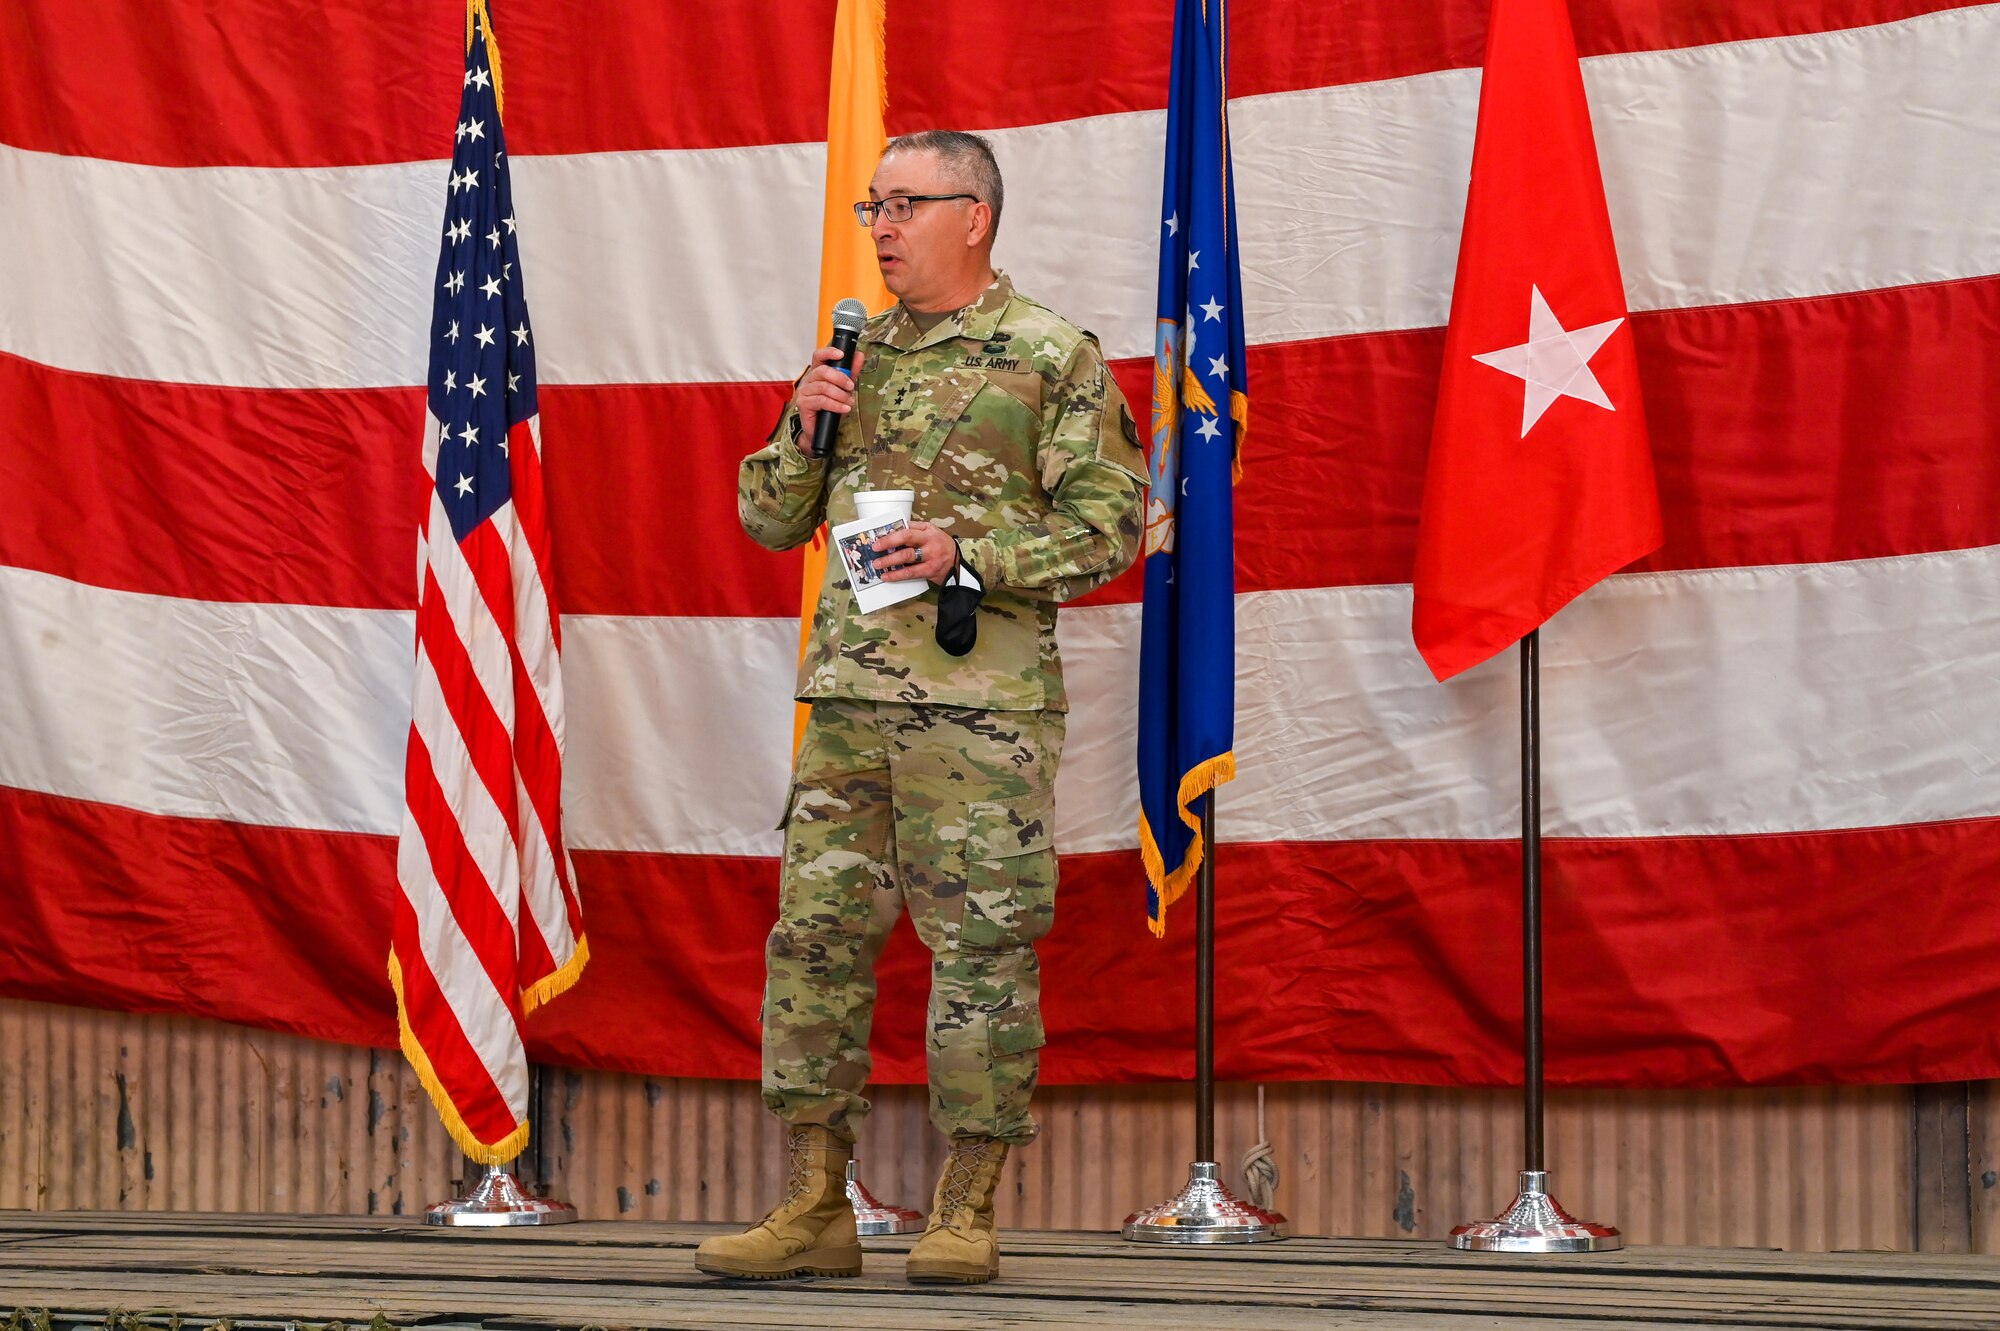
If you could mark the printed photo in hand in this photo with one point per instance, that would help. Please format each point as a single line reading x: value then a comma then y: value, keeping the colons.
x: 858, y: 552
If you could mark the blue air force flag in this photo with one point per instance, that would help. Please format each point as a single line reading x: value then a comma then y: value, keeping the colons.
x: 1187, y: 662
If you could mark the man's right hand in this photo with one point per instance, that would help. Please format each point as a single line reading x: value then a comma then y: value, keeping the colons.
x: 825, y: 387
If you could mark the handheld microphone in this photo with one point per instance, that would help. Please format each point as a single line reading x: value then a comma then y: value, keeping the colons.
x: 849, y: 317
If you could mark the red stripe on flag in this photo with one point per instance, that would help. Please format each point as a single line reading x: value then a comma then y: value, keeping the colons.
x: 537, y: 757
x: 175, y: 83
x: 536, y: 959
x: 538, y: 763
x: 531, y: 509
x: 1354, y: 960
x: 540, y: 766
x: 204, y: 492
x: 606, y: 497
x: 990, y: 66
x: 178, y: 490
x: 1808, y: 431
x: 485, y: 551
x: 214, y: 919
x: 165, y: 82
x: 461, y: 1074
x: 1767, y: 449
x: 471, y: 710
x: 468, y: 893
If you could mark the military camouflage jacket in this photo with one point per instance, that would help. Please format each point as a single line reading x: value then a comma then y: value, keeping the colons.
x: 1019, y: 443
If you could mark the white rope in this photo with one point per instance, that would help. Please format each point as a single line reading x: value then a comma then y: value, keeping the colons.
x: 1260, y: 1165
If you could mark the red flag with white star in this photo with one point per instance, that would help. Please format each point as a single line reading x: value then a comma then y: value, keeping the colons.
x: 1540, y: 480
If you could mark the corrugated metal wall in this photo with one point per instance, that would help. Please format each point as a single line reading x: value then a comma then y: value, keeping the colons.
x: 106, y: 1110
x: 1986, y: 1167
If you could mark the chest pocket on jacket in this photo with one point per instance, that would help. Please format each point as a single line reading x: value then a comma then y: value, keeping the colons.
x: 950, y: 394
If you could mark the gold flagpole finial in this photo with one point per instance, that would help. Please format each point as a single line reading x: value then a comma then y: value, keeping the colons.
x: 479, y: 23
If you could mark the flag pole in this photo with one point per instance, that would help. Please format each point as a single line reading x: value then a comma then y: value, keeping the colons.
x: 1531, y: 900
x: 1186, y: 697
x: 1204, y: 1211
x: 494, y: 1196
x: 1535, y: 1222
x: 1204, y: 990
x: 492, y: 986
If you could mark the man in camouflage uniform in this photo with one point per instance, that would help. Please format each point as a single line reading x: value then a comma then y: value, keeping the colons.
x: 926, y: 780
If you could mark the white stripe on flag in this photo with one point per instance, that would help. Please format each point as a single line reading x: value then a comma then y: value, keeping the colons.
x: 541, y: 884
x: 534, y: 632
x: 484, y: 641
x: 1723, y: 701
x: 1805, y: 165
x: 476, y: 819
x: 466, y: 988
x: 541, y: 892
x: 269, y: 714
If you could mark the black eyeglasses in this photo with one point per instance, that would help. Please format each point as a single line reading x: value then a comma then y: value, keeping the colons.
x: 897, y: 207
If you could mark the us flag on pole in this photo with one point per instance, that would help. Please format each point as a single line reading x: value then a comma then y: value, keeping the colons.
x: 487, y: 925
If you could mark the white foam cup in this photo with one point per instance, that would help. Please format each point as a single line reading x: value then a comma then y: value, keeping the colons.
x: 883, y: 505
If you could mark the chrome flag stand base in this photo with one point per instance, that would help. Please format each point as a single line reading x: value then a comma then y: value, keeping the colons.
x: 496, y: 1200
x: 1536, y: 1222
x: 1205, y: 1212
x: 872, y: 1218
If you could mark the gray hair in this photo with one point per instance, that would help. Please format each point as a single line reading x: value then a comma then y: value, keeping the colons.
x: 967, y: 159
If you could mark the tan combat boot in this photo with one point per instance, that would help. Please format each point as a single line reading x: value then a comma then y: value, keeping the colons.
x: 810, y: 1233
x: 960, y: 1246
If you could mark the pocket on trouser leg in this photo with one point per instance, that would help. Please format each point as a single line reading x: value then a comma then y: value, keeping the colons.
x: 1010, y: 873
x: 985, y: 1036
x: 1016, y: 1030
x: 1015, y: 1039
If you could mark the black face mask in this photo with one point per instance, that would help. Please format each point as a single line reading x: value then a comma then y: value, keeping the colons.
x: 959, y: 596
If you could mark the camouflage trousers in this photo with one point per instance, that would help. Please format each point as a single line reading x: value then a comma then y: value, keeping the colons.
x: 947, y: 811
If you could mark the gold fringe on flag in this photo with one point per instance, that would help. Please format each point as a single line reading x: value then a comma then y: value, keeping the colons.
x: 1239, y: 411
x: 496, y: 1153
x: 1199, y: 780
x: 557, y: 982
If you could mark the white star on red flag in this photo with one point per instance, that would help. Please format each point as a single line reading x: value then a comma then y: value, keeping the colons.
x: 1554, y: 362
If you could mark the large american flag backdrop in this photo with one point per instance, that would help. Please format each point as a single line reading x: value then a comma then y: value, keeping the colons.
x: 1770, y: 749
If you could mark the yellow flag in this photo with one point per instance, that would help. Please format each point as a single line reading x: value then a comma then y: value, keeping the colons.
x: 854, y: 141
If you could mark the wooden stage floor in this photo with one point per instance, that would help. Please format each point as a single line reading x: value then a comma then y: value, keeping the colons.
x: 279, y: 1270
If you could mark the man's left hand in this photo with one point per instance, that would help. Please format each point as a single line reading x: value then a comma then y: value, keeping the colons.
x: 920, y: 550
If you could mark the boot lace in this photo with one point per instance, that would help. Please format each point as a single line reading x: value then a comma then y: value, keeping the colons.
x: 961, y: 1175
x: 800, y: 1179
